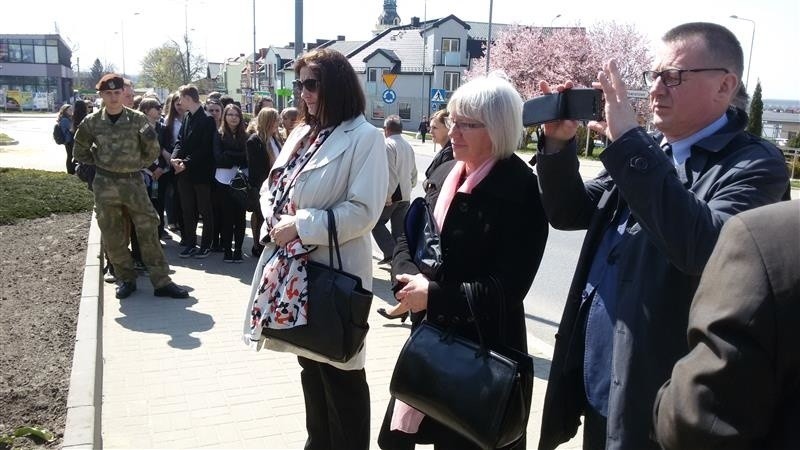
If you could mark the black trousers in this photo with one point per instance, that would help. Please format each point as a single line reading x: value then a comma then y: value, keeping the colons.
x: 594, y: 429
x: 337, y: 406
x: 196, y: 198
x: 70, y: 162
x: 230, y: 216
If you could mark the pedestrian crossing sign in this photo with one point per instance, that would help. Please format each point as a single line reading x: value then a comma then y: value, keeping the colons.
x: 438, y: 96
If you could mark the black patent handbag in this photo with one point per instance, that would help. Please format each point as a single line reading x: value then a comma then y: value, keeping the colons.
x: 338, y: 308
x: 422, y: 237
x: 478, y: 392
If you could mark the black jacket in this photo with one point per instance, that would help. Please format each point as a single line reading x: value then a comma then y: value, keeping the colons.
x: 437, y: 172
x: 195, y: 146
x: 229, y: 152
x: 259, y: 160
x: 494, y: 238
x: 678, y: 214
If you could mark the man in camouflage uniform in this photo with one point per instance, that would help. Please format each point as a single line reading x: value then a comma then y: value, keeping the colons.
x: 124, y: 142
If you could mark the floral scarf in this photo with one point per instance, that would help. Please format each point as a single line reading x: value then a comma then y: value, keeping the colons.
x: 282, y: 296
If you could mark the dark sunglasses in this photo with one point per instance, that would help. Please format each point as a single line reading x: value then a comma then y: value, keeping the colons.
x: 309, y: 84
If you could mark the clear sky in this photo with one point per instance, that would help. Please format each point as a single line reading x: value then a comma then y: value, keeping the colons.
x: 224, y: 28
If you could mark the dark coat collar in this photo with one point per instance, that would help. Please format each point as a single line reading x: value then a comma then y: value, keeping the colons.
x: 506, y: 180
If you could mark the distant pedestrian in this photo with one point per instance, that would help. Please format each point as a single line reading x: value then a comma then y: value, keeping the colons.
x: 402, y: 178
x: 65, y: 124
x: 120, y: 142
x: 193, y: 161
x: 423, y: 128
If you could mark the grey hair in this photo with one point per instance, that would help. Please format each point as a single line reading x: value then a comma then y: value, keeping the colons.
x: 493, y: 101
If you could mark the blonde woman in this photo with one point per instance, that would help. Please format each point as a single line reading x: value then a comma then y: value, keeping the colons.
x: 263, y: 147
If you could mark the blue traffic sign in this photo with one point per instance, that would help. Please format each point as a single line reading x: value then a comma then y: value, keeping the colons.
x: 438, y: 96
x: 389, y: 96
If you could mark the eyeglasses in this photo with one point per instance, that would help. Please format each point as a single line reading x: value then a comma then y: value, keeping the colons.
x: 450, y: 124
x: 310, y: 84
x: 672, y: 77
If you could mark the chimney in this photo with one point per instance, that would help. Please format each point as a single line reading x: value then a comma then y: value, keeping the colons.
x: 340, y: 37
x: 415, y: 22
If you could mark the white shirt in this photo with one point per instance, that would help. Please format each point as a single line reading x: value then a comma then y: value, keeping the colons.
x: 402, y: 166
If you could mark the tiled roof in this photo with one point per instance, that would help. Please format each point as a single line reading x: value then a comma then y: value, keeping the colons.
x: 403, y: 42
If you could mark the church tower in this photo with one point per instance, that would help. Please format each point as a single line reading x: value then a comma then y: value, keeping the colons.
x: 388, y: 17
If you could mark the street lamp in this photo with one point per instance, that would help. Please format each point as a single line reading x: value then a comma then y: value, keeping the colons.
x: 489, y: 37
x: 554, y: 19
x: 122, y: 38
x: 752, y: 39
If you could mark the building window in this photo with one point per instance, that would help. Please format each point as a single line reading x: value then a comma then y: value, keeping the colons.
x: 404, y: 110
x: 40, y: 54
x: 52, y: 55
x: 452, y: 80
x: 27, y: 53
x: 377, y: 110
x: 451, y: 52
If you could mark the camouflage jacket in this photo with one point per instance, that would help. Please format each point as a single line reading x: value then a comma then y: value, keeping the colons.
x: 125, y: 146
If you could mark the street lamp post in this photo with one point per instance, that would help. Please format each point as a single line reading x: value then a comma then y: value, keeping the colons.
x: 752, y: 39
x: 489, y: 37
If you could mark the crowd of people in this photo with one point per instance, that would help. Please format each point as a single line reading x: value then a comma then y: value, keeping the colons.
x: 655, y: 220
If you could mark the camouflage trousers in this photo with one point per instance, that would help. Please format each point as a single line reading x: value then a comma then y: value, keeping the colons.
x: 111, y: 197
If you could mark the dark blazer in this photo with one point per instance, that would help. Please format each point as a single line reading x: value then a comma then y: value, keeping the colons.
x: 437, y: 172
x: 259, y: 160
x: 739, y: 387
x: 195, y: 146
x: 229, y: 152
x: 678, y: 214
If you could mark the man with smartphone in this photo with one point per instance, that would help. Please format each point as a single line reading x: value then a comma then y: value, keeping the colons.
x: 652, y: 219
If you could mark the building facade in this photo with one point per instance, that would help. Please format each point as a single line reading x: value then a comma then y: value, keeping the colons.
x: 35, y: 71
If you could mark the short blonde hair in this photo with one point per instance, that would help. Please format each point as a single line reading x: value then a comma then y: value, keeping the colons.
x: 493, y: 101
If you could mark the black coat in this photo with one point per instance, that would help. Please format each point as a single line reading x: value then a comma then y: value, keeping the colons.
x: 259, y: 160
x: 196, y: 146
x: 678, y: 215
x: 437, y: 172
x: 496, y: 232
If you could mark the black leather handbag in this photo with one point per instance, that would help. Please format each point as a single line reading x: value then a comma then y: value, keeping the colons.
x: 422, y: 237
x: 338, y: 308
x: 245, y: 195
x: 477, y: 392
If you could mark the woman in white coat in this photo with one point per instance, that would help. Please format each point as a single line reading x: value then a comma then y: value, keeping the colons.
x: 335, y: 160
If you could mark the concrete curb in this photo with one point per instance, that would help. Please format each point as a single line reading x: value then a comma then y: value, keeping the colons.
x: 82, y: 430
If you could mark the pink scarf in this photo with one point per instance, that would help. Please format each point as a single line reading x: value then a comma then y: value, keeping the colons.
x: 404, y: 417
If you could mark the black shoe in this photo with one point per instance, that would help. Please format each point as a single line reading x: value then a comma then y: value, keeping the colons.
x: 188, y: 251
x: 228, y: 256
x: 125, y: 289
x: 385, y: 261
x: 402, y: 317
x: 173, y: 227
x: 237, y: 255
x: 202, y: 253
x: 256, y: 250
x: 165, y: 236
x: 171, y: 290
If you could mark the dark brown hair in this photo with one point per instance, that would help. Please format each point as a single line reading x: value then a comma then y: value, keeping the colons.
x: 339, y: 95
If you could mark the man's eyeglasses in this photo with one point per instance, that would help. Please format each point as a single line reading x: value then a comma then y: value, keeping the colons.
x: 450, y: 124
x: 310, y: 84
x: 672, y: 77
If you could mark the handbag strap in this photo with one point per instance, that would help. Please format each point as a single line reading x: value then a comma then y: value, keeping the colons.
x: 469, y: 294
x: 333, y: 240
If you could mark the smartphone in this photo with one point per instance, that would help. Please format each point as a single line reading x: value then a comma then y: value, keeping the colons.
x: 571, y: 104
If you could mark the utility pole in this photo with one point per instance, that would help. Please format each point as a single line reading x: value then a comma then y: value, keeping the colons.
x: 253, y: 75
x: 298, y: 40
x: 188, y: 77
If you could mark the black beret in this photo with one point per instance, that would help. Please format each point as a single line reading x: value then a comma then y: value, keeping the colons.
x: 110, y: 81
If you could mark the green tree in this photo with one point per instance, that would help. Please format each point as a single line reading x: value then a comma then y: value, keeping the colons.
x: 161, y: 67
x: 754, y: 124
x: 166, y: 66
x: 96, y: 72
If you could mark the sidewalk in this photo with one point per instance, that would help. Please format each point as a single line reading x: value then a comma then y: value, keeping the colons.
x: 177, y: 375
